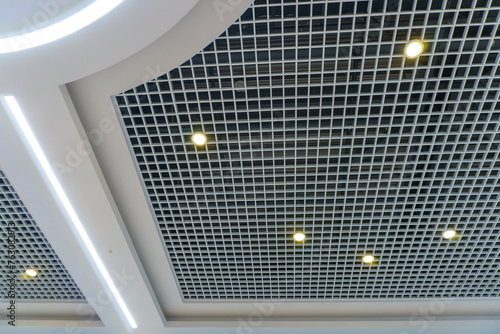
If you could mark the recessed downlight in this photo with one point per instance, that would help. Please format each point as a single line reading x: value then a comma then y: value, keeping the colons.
x: 199, y: 139
x: 414, y: 49
x: 299, y: 237
x: 368, y: 259
x: 449, y: 234
x: 31, y: 272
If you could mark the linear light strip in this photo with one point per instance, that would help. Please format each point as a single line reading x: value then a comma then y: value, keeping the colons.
x: 58, y: 30
x: 42, y: 159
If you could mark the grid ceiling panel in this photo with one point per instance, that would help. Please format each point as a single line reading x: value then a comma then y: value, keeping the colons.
x: 32, y: 251
x: 316, y: 122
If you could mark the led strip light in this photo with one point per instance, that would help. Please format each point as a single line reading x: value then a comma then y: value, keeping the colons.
x: 58, y: 30
x: 49, y: 172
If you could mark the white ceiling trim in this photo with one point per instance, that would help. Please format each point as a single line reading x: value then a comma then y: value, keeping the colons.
x: 91, y: 98
x: 59, y: 29
x: 33, y: 77
x: 124, y: 31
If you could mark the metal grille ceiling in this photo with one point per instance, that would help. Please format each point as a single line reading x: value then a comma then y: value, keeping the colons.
x: 316, y: 122
x: 32, y: 251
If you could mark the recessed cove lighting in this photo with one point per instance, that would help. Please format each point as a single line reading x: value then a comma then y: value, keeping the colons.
x: 449, y: 234
x: 368, y: 259
x: 199, y: 139
x: 414, y: 49
x: 299, y: 237
x: 31, y: 273
x: 58, y: 30
x: 24, y: 127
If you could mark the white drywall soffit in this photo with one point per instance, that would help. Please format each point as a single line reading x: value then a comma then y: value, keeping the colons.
x: 24, y: 126
x: 91, y: 97
x: 46, y: 34
x: 41, y: 71
x: 124, y: 31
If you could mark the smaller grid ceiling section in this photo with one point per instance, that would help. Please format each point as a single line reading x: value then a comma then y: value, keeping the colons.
x: 32, y: 251
x: 316, y: 122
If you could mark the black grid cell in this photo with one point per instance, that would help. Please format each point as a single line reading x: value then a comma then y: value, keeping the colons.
x: 316, y: 122
x: 32, y: 250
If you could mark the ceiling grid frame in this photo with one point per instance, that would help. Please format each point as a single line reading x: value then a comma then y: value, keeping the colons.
x: 344, y: 136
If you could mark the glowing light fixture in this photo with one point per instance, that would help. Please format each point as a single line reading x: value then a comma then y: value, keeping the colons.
x: 299, y: 237
x: 199, y: 139
x: 414, y: 49
x: 368, y: 259
x: 31, y: 272
x: 449, y: 234
x: 49, y: 172
x: 58, y: 30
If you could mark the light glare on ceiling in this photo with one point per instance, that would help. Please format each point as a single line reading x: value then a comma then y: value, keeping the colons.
x: 368, y: 258
x: 199, y: 139
x: 31, y: 273
x: 16, y: 111
x: 299, y: 236
x: 414, y: 49
x: 58, y: 30
x: 449, y: 234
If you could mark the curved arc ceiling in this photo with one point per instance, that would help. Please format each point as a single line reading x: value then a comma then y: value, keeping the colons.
x: 20, y: 17
x: 75, y: 56
x: 36, y: 85
x: 30, y: 249
x: 82, y: 89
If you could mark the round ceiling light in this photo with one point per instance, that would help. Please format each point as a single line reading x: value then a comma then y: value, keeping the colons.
x: 414, y: 49
x: 199, y: 139
x: 449, y: 234
x: 31, y: 273
x: 368, y: 259
x: 299, y: 237
x: 36, y: 37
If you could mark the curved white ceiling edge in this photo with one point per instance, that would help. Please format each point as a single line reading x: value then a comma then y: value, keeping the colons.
x: 128, y: 28
x: 167, y: 52
x: 60, y: 29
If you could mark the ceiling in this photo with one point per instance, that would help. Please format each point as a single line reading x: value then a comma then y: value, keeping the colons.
x: 315, y: 121
x: 26, y: 16
x: 32, y: 251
